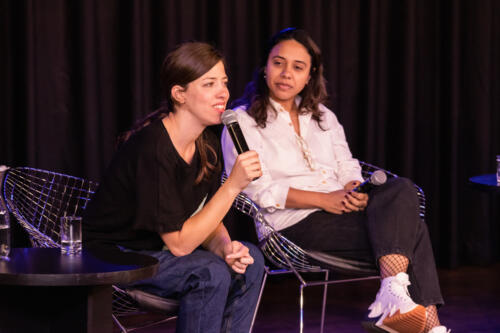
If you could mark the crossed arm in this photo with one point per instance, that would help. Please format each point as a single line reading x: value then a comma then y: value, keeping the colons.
x: 205, y: 227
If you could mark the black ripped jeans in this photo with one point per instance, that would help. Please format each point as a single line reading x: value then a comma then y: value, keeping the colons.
x: 390, y: 224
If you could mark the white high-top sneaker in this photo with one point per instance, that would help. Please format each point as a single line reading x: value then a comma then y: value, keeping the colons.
x: 439, y: 329
x: 398, y: 313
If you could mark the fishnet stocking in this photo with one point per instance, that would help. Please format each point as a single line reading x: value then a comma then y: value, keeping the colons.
x: 432, y: 318
x: 392, y: 264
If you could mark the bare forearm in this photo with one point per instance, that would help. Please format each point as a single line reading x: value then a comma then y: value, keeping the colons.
x: 335, y: 202
x: 303, y: 199
x: 217, y: 240
x: 202, y: 225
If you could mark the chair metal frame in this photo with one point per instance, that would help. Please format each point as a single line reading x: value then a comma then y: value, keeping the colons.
x: 38, y: 198
x: 288, y: 258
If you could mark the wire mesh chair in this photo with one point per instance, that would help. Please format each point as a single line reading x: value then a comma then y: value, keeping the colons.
x: 38, y: 198
x: 288, y: 258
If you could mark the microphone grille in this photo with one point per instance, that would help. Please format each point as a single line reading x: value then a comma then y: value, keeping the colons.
x: 229, y: 117
x: 378, y: 177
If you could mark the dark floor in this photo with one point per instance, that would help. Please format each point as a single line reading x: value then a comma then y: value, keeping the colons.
x: 472, y: 296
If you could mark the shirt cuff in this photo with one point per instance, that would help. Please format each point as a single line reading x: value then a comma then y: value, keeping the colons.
x: 350, y: 177
x: 274, y: 198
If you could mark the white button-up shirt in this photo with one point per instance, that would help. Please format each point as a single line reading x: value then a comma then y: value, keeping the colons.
x: 323, y: 163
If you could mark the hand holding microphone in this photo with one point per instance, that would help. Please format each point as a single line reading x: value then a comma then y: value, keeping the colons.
x: 251, y: 162
x: 357, y: 198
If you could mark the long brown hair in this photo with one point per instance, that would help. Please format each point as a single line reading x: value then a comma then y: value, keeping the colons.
x: 184, y: 64
x: 256, y: 95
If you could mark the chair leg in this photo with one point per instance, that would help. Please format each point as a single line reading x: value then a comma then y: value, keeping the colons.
x: 123, y: 329
x: 301, y: 301
x: 264, y: 278
x: 117, y: 322
x: 323, y: 308
x: 323, y: 305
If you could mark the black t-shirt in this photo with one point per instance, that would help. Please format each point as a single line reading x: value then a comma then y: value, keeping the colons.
x: 147, y: 190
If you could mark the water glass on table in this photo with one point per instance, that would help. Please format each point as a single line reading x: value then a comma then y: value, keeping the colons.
x: 71, y: 235
x: 4, y: 235
x: 498, y: 170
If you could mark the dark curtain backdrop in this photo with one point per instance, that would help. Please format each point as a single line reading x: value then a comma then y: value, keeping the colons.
x: 415, y: 84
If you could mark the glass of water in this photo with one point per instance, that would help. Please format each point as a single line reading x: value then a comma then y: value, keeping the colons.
x: 4, y: 235
x: 498, y: 170
x: 71, y: 235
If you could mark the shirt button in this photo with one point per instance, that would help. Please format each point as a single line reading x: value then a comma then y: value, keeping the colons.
x: 323, y: 182
x: 289, y: 124
x: 323, y: 171
x: 277, y: 205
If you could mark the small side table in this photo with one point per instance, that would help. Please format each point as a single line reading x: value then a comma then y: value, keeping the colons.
x: 44, y: 291
x: 487, y: 183
x: 490, y: 234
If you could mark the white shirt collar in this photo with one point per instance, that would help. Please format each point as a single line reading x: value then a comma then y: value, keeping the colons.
x: 304, y: 119
x: 278, y: 107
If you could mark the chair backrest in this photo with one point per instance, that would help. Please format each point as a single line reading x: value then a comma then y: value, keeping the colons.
x: 39, y: 198
x: 285, y: 254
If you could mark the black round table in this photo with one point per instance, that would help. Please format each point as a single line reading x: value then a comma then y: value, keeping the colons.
x: 487, y: 183
x: 43, y: 290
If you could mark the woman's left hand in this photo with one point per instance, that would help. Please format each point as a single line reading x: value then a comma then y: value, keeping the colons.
x: 237, y: 256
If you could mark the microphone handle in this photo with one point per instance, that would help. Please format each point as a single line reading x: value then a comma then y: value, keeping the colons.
x: 364, y: 187
x: 238, y: 138
x: 236, y: 134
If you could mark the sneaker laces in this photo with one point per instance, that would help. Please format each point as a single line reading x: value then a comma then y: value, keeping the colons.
x: 392, y: 296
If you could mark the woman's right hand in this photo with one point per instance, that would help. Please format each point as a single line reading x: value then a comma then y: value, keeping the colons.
x: 343, y: 201
x: 245, y: 169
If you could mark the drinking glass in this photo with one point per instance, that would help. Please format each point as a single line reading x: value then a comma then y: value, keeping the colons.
x: 71, y: 235
x: 498, y: 170
x: 4, y: 235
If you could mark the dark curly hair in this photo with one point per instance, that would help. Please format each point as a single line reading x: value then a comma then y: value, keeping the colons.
x: 256, y: 95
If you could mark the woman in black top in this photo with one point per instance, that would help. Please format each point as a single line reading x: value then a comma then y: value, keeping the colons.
x: 161, y: 196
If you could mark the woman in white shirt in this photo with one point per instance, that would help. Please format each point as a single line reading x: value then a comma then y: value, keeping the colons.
x: 307, y: 182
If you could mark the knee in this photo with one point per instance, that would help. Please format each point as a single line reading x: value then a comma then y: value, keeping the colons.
x: 219, y: 273
x: 402, y: 184
x: 402, y: 189
x: 213, y: 274
x: 255, y: 270
x: 256, y: 255
x: 423, y: 230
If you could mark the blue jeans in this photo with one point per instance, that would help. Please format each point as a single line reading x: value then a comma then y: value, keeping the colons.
x: 389, y: 225
x: 213, y: 298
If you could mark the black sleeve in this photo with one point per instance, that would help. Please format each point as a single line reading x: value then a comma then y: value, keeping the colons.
x: 159, y: 206
x: 173, y: 206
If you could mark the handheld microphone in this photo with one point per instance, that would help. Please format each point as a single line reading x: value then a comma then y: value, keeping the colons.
x: 231, y: 121
x: 377, y: 178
